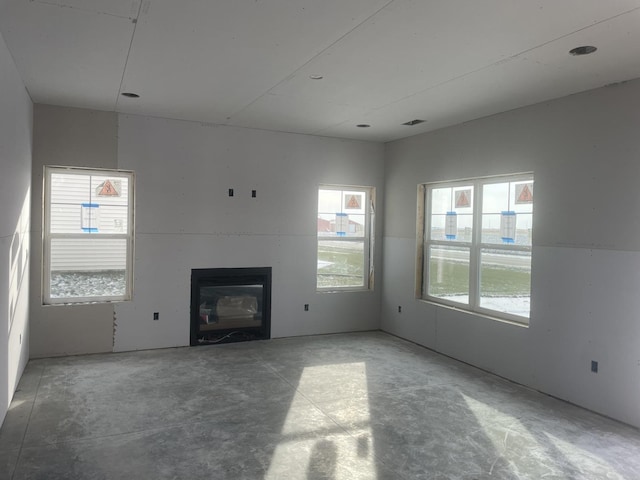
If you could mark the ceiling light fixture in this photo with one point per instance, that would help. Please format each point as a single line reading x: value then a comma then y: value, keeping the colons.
x: 363, y: 125
x: 414, y: 122
x: 316, y: 77
x: 584, y: 50
x: 130, y: 95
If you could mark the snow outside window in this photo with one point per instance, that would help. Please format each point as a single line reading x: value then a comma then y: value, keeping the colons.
x: 477, y: 245
x: 345, y: 216
x: 88, y: 235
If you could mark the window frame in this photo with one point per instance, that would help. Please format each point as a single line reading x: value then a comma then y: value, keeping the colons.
x: 367, y: 239
x: 48, y: 236
x: 475, y: 246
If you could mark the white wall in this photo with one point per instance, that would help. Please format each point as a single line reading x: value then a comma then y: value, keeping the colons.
x: 68, y: 137
x: 185, y: 219
x: 15, y: 179
x: 584, y: 151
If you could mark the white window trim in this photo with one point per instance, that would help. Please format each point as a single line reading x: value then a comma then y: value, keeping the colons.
x: 47, y: 236
x: 475, y: 246
x: 367, y: 240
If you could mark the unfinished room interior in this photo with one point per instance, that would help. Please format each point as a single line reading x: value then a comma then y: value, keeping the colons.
x: 336, y: 239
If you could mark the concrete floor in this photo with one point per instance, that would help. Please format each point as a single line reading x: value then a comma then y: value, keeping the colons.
x: 353, y: 406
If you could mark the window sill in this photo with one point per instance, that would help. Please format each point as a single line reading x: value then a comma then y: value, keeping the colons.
x: 343, y: 290
x: 475, y: 313
x: 87, y: 302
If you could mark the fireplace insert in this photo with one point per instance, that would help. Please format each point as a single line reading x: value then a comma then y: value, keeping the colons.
x: 230, y: 305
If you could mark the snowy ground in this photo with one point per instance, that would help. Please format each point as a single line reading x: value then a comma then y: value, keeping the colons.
x: 87, y: 284
x: 513, y: 305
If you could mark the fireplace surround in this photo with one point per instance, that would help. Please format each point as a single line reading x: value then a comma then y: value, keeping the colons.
x: 230, y: 305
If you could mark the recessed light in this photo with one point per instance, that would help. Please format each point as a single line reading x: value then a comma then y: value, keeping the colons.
x: 130, y: 95
x: 584, y: 50
x: 363, y: 125
x: 316, y: 77
x: 414, y: 122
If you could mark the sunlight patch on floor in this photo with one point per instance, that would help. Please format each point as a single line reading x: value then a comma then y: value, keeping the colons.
x: 312, y: 445
x: 587, y: 462
x: 515, y: 444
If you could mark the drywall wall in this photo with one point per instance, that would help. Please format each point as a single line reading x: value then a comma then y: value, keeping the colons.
x: 15, y: 180
x: 584, y: 151
x: 185, y: 219
x: 68, y: 137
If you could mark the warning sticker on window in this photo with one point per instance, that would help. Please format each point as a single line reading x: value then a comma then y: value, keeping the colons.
x: 524, y: 193
x: 109, y: 188
x: 352, y: 202
x: 463, y: 198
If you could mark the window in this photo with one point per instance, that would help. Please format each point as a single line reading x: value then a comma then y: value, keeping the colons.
x: 477, y: 245
x: 345, y: 217
x: 88, y: 235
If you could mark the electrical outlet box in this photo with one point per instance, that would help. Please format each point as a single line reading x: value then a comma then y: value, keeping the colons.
x: 231, y: 192
x: 156, y: 315
x: 254, y: 194
x: 594, y: 366
x: 306, y: 307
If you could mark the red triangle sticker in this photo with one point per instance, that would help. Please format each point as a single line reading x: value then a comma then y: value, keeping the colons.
x: 108, y: 190
x: 354, y: 202
x: 526, y: 196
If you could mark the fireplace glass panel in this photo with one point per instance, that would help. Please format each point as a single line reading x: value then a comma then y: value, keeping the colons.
x: 232, y: 306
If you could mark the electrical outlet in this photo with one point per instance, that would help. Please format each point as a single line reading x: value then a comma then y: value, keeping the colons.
x: 156, y: 315
x: 594, y: 366
x: 399, y: 309
x: 231, y: 192
x: 254, y: 194
x: 306, y: 307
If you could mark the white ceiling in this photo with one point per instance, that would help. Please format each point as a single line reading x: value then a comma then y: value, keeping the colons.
x: 248, y: 62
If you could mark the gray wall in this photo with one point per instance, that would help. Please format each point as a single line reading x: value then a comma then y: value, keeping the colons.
x: 185, y: 220
x: 584, y: 151
x: 69, y: 137
x: 15, y: 173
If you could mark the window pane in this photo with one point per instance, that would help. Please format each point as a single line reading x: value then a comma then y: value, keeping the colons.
x: 340, y: 263
x: 88, y: 267
x: 341, y: 213
x: 449, y: 273
x: 70, y: 189
x: 84, y: 203
x: 505, y: 281
x: 452, y: 213
x: 329, y: 201
x: 495, y: 197
x: 507, y: 213
x: 441, y: 200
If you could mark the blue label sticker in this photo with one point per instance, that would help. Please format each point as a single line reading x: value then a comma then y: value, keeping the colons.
x: 451, y: 226
x: 508, y: 226
x: 90, y: 217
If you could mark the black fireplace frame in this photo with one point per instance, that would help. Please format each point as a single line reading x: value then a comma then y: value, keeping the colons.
x: 220, y: 277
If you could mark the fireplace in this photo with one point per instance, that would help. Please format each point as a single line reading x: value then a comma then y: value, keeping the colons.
x: 230, y: 305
